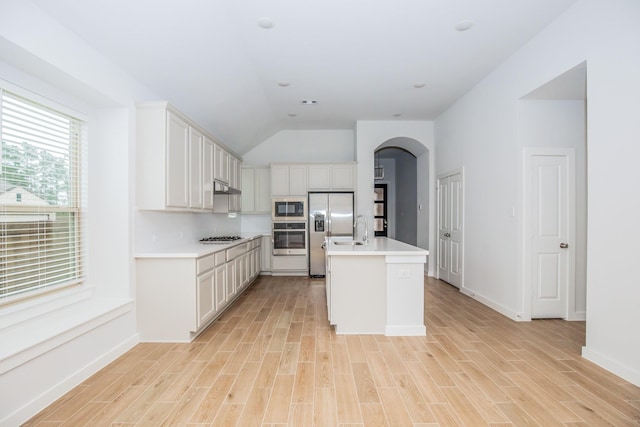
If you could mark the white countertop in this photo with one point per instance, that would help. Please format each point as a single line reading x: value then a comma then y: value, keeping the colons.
x: 193, y: 249
x: 376, y: 246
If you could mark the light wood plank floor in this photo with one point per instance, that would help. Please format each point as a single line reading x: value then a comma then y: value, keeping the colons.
x: 273, y: 360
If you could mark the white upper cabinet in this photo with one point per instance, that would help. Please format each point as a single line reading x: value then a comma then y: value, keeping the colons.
x: 256, y: 189
x: 263, y: 190
x: 279, y: 180
x: 288, y: 179
x: 343, y: 176
x: 319, y: 177
x: 177, y: 161
x: 234, y: 172
x: 296, y: 179
x: 177, y: 151
x: 207, y: 172
x: 221, y: 170
x: 196, y: 169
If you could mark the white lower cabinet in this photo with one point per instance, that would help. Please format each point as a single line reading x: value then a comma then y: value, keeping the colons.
x: 206, y: 297
x: 265, y: 261
x: 177, y: 298
x: 232, y: 279
x: 221, y: 287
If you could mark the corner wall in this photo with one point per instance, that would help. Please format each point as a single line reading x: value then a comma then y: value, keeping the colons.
x: 303, y: 146
x: 480, y: 133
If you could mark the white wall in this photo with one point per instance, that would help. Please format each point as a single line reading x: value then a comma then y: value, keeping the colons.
x: 370, y: 135
x: 303, y: 146
x: 52, y: 344
x: 480, y: 132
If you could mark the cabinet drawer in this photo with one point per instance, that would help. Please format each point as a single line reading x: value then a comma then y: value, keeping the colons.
x: 236, y: 251
x: 205, y: 263
x: 221, y: 258
x: 208, y: 262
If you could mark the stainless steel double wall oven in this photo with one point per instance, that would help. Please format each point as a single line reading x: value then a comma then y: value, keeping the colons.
x: 289, y: 227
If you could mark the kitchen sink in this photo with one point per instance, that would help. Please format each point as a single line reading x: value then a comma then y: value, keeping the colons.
x: 348, y: 242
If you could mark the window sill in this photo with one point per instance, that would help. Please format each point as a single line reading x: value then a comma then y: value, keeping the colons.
x: 25, y: 339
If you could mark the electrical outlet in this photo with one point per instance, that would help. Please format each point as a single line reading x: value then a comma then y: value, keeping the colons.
x: 404, y: 273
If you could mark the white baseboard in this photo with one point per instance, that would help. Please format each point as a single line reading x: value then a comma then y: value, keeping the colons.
x: 611, y: 365
x: 578, y: 316
x: 53, y: 393
x: 492, y: 304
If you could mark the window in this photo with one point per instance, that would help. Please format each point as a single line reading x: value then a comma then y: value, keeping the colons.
x: 41, y: 245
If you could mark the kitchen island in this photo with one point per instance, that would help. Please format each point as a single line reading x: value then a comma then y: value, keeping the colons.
x: 375, y: 288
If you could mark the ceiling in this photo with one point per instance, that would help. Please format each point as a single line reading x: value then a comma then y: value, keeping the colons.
x: 360, y: 59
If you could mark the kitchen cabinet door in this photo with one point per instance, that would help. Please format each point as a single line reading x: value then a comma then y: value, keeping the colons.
x: 319, y: 177
x: 241, y: 271
x: 298, y: 180
x: 256, y: 190
x: 206, y: 306
x: 232, y: 279
x: 279, y: 180
x: 262, y: 190
x: 221, y: 299
x: 265, y: 258
x: 248, y: 189
x: 196, y: 172
x: 177, y: 185
x: 221, y: 159
x: 234, y: 172
x: 343, y: 176
x: 207, y: 173
x: 256, y: 256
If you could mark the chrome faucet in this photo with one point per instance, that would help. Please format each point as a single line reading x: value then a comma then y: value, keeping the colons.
x: 365, y: 238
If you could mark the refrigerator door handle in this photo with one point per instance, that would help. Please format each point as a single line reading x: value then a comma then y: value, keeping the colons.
x: 329, y: 222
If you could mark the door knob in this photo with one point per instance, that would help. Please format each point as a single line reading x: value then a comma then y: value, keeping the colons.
x: 564, y: 245
x: 447, y: 234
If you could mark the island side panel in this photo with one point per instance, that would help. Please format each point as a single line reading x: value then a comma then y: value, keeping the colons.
x: 358, y: 294
x: 405, y: 296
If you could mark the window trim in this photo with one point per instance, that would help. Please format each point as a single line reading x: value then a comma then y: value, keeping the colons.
x: 52, y: 292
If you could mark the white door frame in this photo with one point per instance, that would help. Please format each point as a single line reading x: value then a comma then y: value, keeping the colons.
x: 462, y: 209
x: 525, y: 290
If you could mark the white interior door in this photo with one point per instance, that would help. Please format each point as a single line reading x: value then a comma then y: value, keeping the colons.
x: 552, y: 260
x: 450, y: 227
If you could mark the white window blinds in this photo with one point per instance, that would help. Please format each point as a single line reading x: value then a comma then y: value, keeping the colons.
x: 41, y: 245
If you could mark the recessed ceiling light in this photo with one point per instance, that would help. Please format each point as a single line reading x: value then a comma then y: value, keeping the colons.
x: 265, y: 23
x: 292, y: 114
x: 308, y: 102
x: 419, y: 85
x: 464, y: 25
x: 397, y: 115
x: 283, y: 84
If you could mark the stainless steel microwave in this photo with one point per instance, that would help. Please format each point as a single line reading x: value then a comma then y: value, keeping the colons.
x: 289, y: 208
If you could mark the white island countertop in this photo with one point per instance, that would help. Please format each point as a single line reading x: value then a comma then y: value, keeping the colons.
x: 376, y: 246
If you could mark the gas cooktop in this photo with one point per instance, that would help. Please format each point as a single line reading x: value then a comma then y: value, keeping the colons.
x: 219, y: 239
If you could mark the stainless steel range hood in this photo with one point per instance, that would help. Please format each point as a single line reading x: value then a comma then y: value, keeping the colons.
x: 220, y: 187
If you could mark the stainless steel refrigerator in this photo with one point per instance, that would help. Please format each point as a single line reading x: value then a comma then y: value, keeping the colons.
x: 330, y: 214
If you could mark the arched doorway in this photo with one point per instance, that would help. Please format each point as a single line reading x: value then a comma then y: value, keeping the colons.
x: 395, y: 206
x: 404, y: 164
